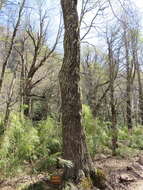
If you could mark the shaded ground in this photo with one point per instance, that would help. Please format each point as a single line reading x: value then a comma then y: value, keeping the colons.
x: 122, y: 174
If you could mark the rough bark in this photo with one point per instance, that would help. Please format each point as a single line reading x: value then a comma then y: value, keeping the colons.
x: 140, y: 92
x: 22, y: 76
x: 74, y: 141
x: 27, y: 98
x: 134, y: 41
x: 96, y: 106
x: 9, y: 102
x: 128, y: 82
x: 112, y: 97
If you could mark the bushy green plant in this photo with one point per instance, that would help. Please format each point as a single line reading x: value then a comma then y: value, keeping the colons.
x: 50, y: 136
x: 49, y: 132
x: 18, y: 143
x: 136, y: 138
x: 40, y: 143
x: 1, y: 125
x: 130, y: 142
x: 88, y: 120
x: 97, y: 131
x: 99, y: 136
x: 39, y: 110
x: 125, y: 151
x: 123, y: 133
x: 24, y: 142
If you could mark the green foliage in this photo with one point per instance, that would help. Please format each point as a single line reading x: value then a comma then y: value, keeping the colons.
x: 86, y: 183
x: 88, y: 120
x: 66, y: 163
x: 39, y: 111
x: 130, y: 143
x: 99, y: 136
x: 50, y: 144
x: 19, y: 143
x: 136, y: 138
x: 47, y: 163
x: 1, y: 126
x: 97, y: 132
x: 24, y: 142
x: 125, y: 151
x: 49, y: 148
x: 40, y: 145
x: 50, y: 137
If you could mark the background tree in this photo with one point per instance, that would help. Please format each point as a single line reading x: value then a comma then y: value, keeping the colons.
x: 113, y: 72
x: 7, y: 56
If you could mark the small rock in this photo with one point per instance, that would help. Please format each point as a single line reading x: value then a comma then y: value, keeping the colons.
x: 137, y: 166
x: 140, y: 160
x: 100, y: 157
x: 129, y: 168
x: 125, y: 178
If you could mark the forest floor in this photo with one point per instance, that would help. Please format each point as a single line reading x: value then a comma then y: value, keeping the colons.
x: 122, y: 174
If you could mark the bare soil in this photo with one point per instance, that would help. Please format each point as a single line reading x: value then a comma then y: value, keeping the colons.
x: 122, y: 174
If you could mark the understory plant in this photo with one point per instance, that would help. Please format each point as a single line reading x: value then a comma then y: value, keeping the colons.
x: 36, y: 145
x: 99, y: 136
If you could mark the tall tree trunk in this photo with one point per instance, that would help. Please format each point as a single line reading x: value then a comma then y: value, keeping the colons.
x: 74, y: 141
x: 112, y: 98
x: 137, y: 67
x: 9, y: 101
x: 22, y: 77
x: 97, y: 105
x: 27, y: 100
x: 128, y: 82
x: 140, y: 92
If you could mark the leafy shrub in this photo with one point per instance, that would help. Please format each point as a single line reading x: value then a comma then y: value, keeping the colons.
x: 49, y: 132
x: 39, y: 111
x: 24, y: 142
x: 97, y: 131
x: 99, y: 136
x: 19, y: 143
x: 41, y: 144
x: 125, y: 151
x: 50, y: 137
x: 136, y: 138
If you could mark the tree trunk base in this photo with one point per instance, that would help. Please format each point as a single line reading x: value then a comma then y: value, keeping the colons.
x: 93, y: 180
